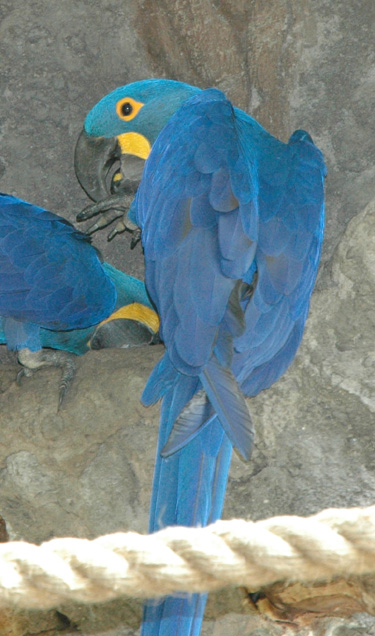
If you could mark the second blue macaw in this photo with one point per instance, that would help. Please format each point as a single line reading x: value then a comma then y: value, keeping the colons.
x: 56, y: 296
x: 232, y: 226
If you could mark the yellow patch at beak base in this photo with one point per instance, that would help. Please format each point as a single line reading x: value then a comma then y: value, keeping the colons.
x: 139, y: 312
x: 133, y: 143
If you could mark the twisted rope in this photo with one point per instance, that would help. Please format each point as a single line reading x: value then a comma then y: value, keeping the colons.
x: 228, y: 553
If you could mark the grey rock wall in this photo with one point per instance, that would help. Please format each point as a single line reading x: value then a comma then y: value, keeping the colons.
x: 87, y: 470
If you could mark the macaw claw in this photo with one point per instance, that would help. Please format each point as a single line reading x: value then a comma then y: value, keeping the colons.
x: 118, y: 229
x: 110, y: 209
x: 35, y: 360
x: 137, y: 233
x: 105, y: 219
x: 116, y: 202
x: 24, y: 372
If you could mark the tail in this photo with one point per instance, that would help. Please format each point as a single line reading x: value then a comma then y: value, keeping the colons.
x: 189, y: 489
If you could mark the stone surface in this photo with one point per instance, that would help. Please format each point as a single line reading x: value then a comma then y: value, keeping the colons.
x: 291, y: 65
x: 87, y: 470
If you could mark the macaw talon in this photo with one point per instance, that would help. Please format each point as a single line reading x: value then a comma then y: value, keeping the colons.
x: 24, y: 372
x: 34, y: 360
x: 137, y: 233
x: 105, y: 219
x: 110, y: 209
x: 118, y: 229
x: 114, y: 202
x: 69, y: 369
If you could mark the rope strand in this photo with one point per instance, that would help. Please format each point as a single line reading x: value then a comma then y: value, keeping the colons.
x: 332, y: 543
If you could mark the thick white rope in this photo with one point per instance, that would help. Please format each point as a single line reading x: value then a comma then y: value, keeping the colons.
x: 334, y: 542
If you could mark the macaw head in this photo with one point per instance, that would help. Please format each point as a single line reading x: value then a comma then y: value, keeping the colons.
x: 123, y: 126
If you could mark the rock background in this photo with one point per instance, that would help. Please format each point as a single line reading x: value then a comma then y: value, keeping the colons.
x: 87, y: 470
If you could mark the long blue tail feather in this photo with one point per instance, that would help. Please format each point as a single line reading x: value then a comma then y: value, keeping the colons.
x: 189, y: 489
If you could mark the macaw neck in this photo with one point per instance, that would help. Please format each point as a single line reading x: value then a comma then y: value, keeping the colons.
x: 163, y: 109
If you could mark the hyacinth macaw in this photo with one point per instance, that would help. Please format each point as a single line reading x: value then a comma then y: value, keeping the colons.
x: 232, y: 226
x: 56, y: 293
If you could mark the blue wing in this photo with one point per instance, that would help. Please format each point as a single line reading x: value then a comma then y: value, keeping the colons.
x: 50, y: 275
x: 199, y: 230
x: 291, y: 223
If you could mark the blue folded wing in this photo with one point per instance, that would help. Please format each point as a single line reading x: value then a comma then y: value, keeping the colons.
x: 196, y: 231
x: 50, y: 275
x: 291, y: 221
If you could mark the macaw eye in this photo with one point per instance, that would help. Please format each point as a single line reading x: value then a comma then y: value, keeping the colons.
x: 127, y: 108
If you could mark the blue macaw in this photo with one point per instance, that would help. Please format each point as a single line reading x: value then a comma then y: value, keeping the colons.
x: 56, y: 293
x: 232, y: 226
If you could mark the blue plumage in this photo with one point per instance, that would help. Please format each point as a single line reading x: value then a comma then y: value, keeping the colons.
x: 54, y: 289
x: 232, y: 226
x: 47, y: 270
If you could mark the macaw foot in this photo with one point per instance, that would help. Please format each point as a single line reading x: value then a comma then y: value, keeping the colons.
x: 112, y: 208
x: 34, y: 360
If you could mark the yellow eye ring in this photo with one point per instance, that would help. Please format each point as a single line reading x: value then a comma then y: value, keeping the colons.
x: 128, y: 108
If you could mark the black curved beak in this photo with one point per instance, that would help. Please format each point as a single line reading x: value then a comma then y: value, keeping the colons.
x: 94, y: 158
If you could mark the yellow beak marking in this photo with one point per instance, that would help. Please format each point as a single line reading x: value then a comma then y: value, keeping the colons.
x: 133, y: 143
x: 139, y: 312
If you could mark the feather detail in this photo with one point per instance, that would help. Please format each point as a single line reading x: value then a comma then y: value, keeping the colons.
x: 193, y: 417
x: 228, y: 401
